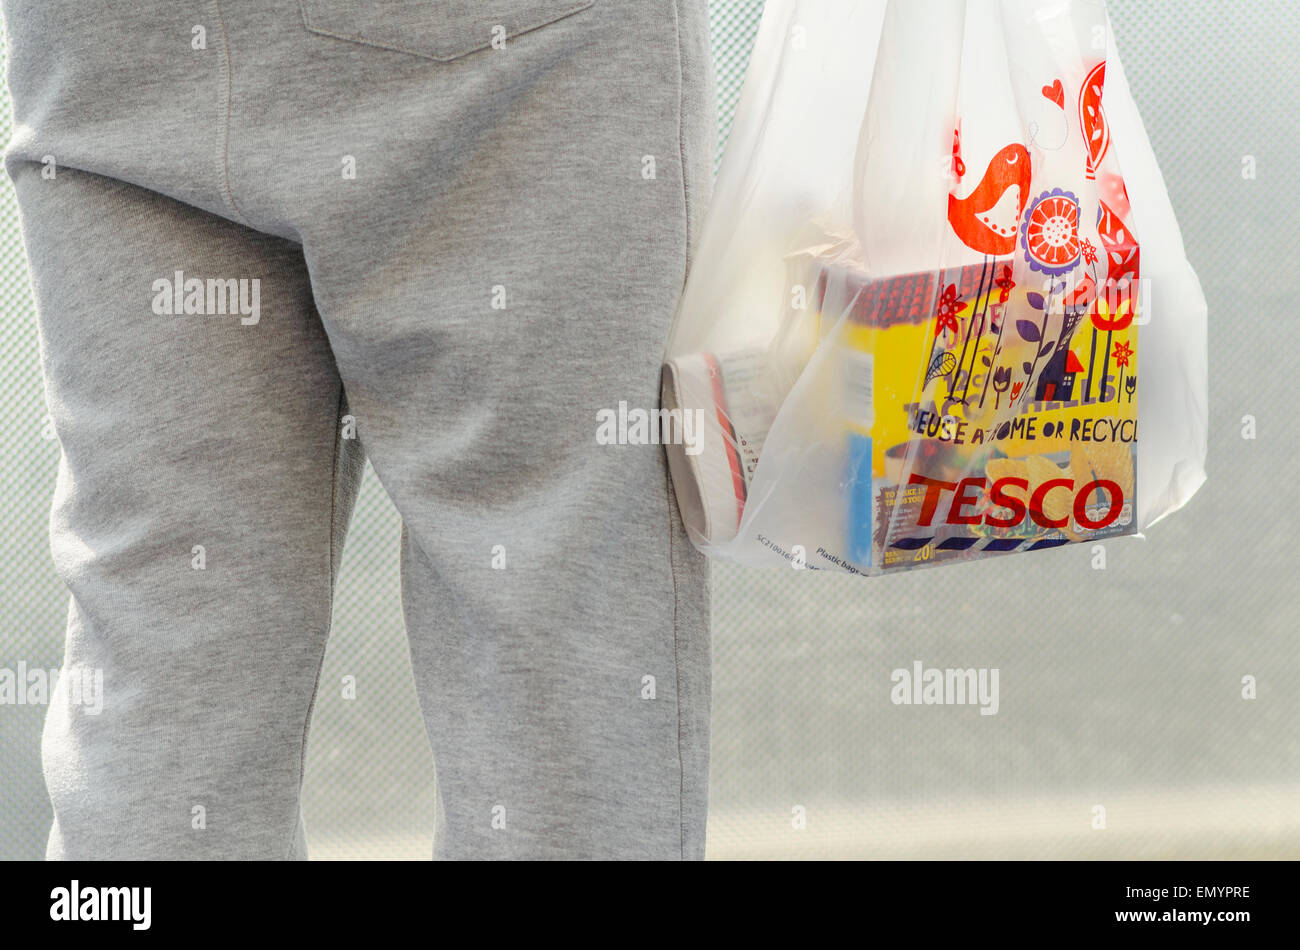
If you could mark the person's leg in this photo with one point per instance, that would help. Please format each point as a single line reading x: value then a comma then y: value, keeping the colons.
x: 505, y: 264
x: 202, y: 498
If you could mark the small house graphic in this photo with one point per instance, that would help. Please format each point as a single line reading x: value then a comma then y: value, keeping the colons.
x: 1057, y: 382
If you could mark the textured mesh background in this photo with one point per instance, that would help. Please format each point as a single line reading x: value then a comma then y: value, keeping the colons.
x: 1119, y: 688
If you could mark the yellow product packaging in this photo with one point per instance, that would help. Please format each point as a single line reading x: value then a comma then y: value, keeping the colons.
x: 969, y: 455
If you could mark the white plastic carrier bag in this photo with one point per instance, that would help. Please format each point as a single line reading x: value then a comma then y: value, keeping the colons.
x: 940, y: 308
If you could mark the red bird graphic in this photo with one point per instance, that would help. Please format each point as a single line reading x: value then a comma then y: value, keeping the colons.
x: 988, y: 219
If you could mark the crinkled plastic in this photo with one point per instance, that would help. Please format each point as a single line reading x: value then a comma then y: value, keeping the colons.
x: 940, y: 308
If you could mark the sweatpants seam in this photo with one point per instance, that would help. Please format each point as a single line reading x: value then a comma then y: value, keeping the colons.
x: 677, y: 675
x: 681, y: 137
x: 668, y: 488
x: 329, y: 617
x: 227, y: 191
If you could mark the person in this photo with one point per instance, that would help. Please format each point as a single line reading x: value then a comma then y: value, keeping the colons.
x: 264, y: 234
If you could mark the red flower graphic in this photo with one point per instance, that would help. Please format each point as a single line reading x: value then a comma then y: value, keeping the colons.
x: 1006, y: 285
x: 1123, y: 353
x: 1089, y: 252
x: 949, y: 307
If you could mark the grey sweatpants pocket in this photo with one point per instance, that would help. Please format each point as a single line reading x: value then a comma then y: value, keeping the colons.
x: 443, y: 30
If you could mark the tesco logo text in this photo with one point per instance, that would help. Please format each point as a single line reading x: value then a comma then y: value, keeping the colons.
x: 969, y: 490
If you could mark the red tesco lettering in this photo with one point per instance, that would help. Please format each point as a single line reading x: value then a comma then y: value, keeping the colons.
x: 967, y: 496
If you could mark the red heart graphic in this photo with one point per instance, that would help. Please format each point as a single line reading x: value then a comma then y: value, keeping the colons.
x: 1055, y: 93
